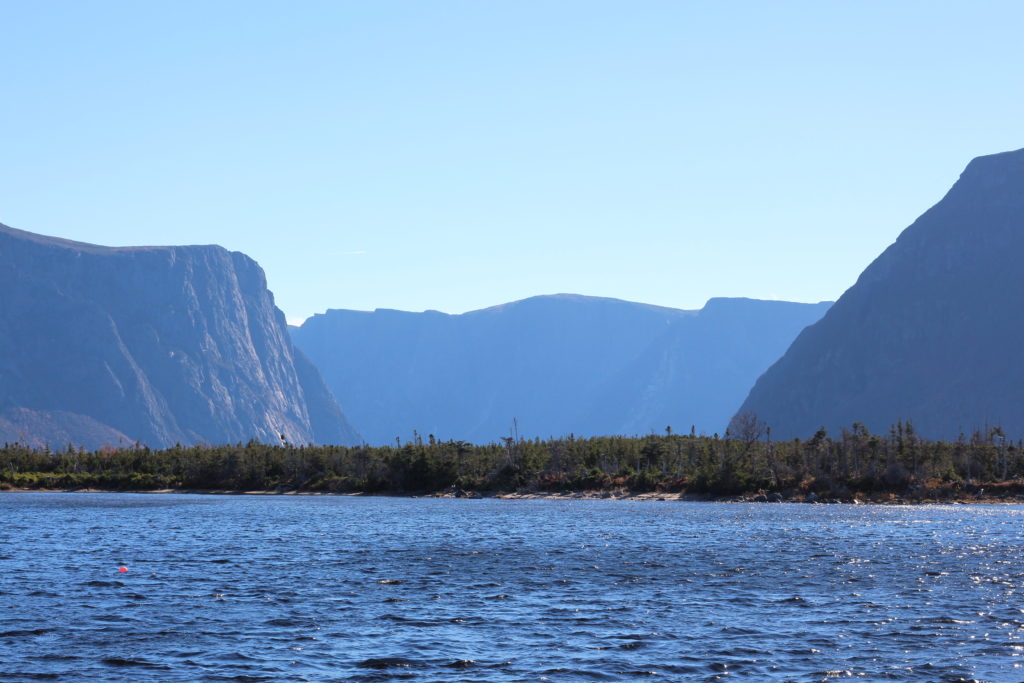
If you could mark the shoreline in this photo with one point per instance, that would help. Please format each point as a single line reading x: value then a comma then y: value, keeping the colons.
x: 610, y: 495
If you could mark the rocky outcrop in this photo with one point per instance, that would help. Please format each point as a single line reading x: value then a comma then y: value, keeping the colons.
x: 551, y: 365
x: 159, y: 345
x: 931, y: 331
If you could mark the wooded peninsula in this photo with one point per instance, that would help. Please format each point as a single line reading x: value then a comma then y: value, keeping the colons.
x: 744, y: 464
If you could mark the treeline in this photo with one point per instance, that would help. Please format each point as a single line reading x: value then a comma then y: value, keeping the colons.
x: 745, y: 460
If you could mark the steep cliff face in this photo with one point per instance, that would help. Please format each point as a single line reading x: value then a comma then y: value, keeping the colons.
x: 555, y: 364
x: 156, y: 344
x: 931, y: 331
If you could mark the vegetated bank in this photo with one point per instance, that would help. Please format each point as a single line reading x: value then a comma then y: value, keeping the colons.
x: 745, y: 464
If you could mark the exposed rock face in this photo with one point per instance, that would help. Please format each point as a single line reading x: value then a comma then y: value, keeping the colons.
x: 556, y: 364
x: 155, y: 344
x: 931, y: 332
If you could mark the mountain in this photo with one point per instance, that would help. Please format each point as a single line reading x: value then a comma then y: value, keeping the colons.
x: 549, y: 365
x: 931, y: 331
x: 108, y: 346
x: 698, y: 371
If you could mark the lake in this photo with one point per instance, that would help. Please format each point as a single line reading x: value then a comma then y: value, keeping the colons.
x: 322, y: 588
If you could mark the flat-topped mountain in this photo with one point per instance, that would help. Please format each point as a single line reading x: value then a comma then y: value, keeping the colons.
x: 556, y: 365
x: 931, y: 332
x: 102, y: 345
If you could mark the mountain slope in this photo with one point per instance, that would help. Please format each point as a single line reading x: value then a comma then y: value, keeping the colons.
x: 553, y: 364
x: 930, y: 332
x: 696, y: 374
x: 155, y: 344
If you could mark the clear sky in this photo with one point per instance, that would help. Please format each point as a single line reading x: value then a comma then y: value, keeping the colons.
x: 454, y: 155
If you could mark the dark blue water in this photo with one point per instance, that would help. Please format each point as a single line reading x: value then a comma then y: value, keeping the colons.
x: 233, y: 588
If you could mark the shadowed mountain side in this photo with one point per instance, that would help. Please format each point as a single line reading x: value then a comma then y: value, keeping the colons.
x: 57, y: 429
x: 468, y: 376
x: 543, y: 361
x: 328, y: 421
x: 930, y: 332
x: 159, y: 344
x: 697, y: 372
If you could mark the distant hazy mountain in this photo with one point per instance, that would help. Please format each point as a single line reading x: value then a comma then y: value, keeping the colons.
x: 933, y: 330
x: 103, y: 345
x: 556, y: 364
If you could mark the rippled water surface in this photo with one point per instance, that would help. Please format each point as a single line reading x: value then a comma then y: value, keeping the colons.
x: 340, y: 588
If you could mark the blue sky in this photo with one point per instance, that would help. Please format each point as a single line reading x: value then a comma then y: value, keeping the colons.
x: 454, y: 155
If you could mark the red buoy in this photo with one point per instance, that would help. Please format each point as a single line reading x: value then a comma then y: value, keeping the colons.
x: 122, y: 569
